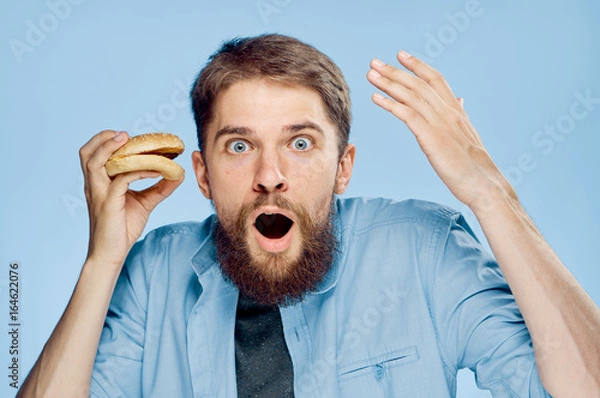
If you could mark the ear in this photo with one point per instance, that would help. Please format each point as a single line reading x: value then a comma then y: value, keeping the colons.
x: 344, y: 171
x: 201, y: 174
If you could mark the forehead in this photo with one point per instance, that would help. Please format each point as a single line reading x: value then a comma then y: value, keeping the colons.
x: 263, y: 103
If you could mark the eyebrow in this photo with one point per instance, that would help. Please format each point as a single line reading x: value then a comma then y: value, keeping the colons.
x: 293, y: 128
x: 232, y: 130
x: 245, y: 131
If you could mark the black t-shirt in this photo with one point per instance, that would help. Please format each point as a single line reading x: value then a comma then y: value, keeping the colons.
x: 262, y: 361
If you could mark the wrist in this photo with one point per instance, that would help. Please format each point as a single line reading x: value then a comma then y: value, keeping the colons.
x: 496, y: 199
x: 102, y: 267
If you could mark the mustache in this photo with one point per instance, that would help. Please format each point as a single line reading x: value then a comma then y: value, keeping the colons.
x: 272, y: 200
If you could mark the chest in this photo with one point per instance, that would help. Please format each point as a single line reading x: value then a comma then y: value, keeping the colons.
x: 341, y: 343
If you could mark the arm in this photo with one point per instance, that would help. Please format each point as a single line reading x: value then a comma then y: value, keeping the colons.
x: 563, y: 321
x: 477, y: 321
x: 117, y: 219
x: 117, y: 369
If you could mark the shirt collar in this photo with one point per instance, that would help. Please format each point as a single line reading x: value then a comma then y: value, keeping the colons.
x: 206, y: 256
x: 333, y: 275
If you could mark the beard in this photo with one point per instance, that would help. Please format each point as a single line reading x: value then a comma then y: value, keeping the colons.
x: 276, y: 278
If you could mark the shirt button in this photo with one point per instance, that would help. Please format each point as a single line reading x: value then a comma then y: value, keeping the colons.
x: 379, y: 371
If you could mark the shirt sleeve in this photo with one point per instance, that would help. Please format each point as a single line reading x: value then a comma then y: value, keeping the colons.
x: 117, y: 369
x: 476, y: 317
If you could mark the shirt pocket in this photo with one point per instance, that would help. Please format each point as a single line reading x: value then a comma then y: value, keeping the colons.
x: 377, y: 375
x: 377, y: 365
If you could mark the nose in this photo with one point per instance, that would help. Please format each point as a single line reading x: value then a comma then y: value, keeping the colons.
x: 269, y: 177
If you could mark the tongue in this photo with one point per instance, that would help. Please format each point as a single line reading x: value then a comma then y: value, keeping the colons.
x: 273, y: 226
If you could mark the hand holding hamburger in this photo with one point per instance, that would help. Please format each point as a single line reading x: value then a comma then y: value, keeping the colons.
x: 110, y: 162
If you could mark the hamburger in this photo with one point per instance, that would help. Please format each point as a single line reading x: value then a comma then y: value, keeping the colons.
x: 153, y: 151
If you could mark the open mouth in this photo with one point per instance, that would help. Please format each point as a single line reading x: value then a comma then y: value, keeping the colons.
x: 273, y: 226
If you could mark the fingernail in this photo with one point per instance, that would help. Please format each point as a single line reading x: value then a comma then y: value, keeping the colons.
x: 120, y: 136
x: 378, y: 96
x: 378, y: 62
x: 404, y: 55
x: 374, y: 73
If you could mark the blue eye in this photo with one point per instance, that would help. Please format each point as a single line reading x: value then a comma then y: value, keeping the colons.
x: 301, y: 144
x: 237, y: 146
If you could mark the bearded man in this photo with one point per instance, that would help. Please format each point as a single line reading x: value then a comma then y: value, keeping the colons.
x: 289, y: 290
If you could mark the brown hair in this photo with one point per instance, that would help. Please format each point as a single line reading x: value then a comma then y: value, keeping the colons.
x: 279, y: 58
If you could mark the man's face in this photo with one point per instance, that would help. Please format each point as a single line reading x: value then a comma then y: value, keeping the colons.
x: 271, y: 166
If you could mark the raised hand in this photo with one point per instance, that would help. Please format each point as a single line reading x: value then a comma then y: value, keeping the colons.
x: 424, y: 101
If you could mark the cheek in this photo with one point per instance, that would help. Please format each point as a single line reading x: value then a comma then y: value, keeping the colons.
x: 314, y: 171
x: 315, y: 181
x: 237, y: 168
x: 231, y: 175
x: 226, y: 189
x: 322, y: 175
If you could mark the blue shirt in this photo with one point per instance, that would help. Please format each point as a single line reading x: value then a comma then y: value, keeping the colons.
x: 410, y: 299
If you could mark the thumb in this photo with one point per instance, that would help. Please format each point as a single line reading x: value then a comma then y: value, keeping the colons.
x: 155, y: 194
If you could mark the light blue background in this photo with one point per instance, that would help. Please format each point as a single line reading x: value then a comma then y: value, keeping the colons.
x: 106, y: 64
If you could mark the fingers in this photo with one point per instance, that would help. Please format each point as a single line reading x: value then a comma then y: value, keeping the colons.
x: 152, y: 196
x: 431, y: 76
x: 404, y: 95
x: 413, y: 119
x: 92, y: 145
x: 93, y: 156
x: 407, y: 89
x: 121, y: 182
x: 103, y: 150
x: 424, y: 82
x: 425, y: 92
